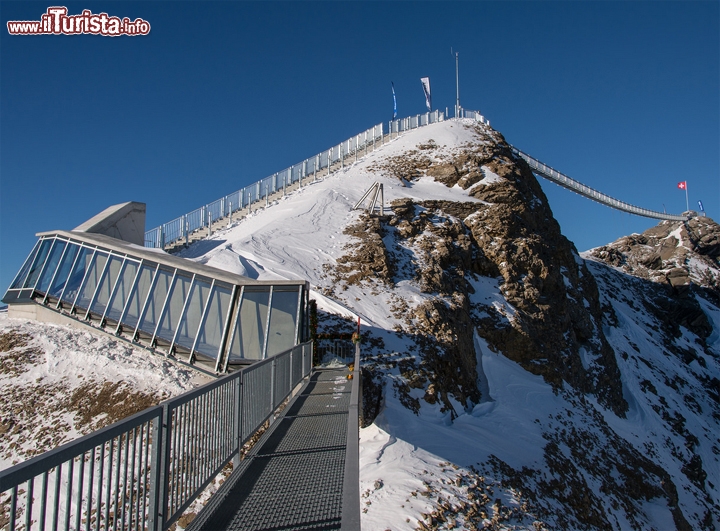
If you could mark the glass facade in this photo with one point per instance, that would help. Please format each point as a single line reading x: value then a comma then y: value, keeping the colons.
x: 195, y: 313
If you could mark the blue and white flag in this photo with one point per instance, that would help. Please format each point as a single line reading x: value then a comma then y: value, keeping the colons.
x: 701, y: 207
x: 394, y: 100
x: 426, y: 89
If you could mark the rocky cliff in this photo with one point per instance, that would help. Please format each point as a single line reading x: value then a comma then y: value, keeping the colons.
x: 626, y: 331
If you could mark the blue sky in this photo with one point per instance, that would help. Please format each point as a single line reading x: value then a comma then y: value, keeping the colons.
x: 622, y: 96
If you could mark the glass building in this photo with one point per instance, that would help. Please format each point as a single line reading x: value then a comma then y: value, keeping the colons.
x: 195, y: 313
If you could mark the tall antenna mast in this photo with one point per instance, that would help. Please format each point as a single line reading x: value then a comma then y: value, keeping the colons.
x: 457, y: 88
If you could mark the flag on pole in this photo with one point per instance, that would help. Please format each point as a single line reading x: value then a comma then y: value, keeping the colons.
x: 426, y: 89
x: 394, y: 100
x: 701, y: 206
x: 683, y: 186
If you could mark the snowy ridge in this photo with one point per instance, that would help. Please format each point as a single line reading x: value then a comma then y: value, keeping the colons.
x: 440, y: 459
x: 526, y: 454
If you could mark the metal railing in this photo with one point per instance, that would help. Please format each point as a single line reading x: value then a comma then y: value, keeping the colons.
x: 413, y: 122
x: 179, y: 229
x: 143, y: 472
x: 337, y: 348
x: 566, y: 182
x: 473, y: 115
x: 350, y: 518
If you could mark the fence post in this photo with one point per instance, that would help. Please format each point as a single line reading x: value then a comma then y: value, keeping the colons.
x: 230, y: 215
x: 237, y: 431
x: 317, y: 163
x: 158, y: 472
x: 185, y: 229
x: 272, y: 388
x: 267, y: 196
x: 162, y: 236
x: 209, y: 222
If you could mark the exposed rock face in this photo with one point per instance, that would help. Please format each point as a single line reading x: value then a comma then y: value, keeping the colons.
x: 673, y: 253
x: 626, y: 330
x: 683, y: 258
x: 507, y: 232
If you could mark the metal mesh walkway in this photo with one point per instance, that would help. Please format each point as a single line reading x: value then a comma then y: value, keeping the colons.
x: 293, y: 478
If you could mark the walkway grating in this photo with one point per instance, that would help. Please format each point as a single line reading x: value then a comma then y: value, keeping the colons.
x: 293, y: 477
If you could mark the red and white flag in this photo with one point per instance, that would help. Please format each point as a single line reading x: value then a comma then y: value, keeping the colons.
x: 682, y: 185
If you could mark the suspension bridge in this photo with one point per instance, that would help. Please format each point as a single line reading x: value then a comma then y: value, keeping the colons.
x: 146, y: 471
x: 202, y: 222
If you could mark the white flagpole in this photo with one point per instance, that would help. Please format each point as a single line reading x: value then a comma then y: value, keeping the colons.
x: 687, y: 204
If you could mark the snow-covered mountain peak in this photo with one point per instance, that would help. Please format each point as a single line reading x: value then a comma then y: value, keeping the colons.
x: 509, y: 383
x: 518, y: 385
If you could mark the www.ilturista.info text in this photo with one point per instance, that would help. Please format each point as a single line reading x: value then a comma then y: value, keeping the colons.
x: 56, y: 21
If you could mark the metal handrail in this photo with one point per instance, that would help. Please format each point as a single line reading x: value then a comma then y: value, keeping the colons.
x: 144, y: 471
x: 179, y: 229
x: 571, y: 184
x: 350, y: 518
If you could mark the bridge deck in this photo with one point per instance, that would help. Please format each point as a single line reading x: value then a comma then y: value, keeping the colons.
x: 293, y: 477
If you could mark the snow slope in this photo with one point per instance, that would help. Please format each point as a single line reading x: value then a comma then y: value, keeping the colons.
x: 428, y: 470
x: 526, y: 455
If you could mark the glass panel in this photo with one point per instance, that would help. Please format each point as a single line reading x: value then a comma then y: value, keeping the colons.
x: 77, y: 275
x: 155, y: 303
x: 106, y: 285
x: 193, y: 313
x: 92, y: 279
x: 212, y: 329
x: 63, y: 271
x: 250, y: 326
x: 138, y: 296
x: 22, y: 274
x: 38, y: 262
x: 51, y: 265
x: 171, y: 317
x: 122, y: 291
x: 282, y: 320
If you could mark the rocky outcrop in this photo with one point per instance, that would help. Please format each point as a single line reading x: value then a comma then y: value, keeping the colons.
x: 504, y: 230
x: 674, y: 253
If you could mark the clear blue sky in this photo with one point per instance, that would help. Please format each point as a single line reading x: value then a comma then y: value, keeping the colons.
x: 623, y: 96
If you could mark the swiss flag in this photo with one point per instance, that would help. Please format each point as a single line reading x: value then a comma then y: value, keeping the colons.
x: 682, y: 185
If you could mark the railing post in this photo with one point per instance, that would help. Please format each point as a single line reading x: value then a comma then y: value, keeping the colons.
x: 209, y: 222
x: 162, y: 236
x: 158, y: 473
x: 272, y: 387
x: 230, y: 215
x: 237, y: 430
x: 185, y: 229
